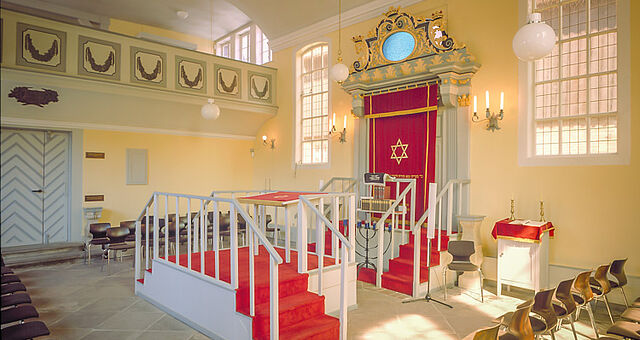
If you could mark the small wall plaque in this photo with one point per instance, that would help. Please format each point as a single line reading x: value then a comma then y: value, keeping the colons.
x: 93, y: 198
x: 95, y: 155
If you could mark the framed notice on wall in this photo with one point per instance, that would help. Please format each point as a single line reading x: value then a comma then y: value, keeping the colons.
x: 137, y: 167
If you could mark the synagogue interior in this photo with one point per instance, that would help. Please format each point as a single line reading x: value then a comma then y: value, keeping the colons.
x: 335, y: 169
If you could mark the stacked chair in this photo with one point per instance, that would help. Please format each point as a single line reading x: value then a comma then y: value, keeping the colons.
x: 17, y: 312
x: 545, y: 314
x: 111, y: 239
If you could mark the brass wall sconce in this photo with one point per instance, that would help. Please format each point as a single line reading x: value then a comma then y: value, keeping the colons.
x: 342, y: 135
x: 271, y: 142
x: 491, y: 118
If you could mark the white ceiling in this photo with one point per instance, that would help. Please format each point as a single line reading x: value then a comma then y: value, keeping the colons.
x: 275, y: 17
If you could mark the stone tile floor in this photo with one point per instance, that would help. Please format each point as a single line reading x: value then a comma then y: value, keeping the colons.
x: 79, y: 301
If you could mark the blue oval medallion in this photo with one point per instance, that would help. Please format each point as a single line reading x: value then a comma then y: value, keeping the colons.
x: 398, y: 46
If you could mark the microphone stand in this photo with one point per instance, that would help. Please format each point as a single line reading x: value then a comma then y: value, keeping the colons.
x: 427, y: 297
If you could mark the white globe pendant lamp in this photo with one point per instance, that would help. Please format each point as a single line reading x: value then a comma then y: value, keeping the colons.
x: 534, y: 40
x: 339, y: 72
x: 210, y: 110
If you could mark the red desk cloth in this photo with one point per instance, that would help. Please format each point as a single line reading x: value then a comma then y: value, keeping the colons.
x: 279, y: 196
x: 503, y: 229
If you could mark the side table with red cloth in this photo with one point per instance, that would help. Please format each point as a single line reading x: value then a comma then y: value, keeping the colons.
x: 521, y: 231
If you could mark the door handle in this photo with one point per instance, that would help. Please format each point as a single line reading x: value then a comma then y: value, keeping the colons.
x: 36, y: 190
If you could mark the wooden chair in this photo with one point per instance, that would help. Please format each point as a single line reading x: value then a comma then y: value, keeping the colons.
x: 584, y: 296
x: 617, y: 270
x: 602, y: 287
x: 488, y: 333
x: 519, y: 326
x: 568, y: 308
x: 543, y: 307
x: 461, y: 252
x: 625, y: 329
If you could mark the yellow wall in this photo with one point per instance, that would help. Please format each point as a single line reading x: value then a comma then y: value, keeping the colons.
x: 182, y: 164
x: 132, y: 29
x: 595, y: 208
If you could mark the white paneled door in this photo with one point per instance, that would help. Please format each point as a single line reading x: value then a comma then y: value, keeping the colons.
x: 34, y: 189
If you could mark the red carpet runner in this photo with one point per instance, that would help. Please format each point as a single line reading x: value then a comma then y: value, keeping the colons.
x: 399, y: 278
x: 301, y: 313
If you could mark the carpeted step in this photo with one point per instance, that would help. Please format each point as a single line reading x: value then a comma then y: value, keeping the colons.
x: 434, y: 243
x: 404, y: 267
x: 287, y: 287
x: 406, y: 251
x: 292, y: 309
x: 322, y: 327
x: 367, y: 275
x: 399, y: 283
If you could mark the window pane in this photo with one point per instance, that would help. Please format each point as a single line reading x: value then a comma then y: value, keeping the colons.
x: 574, y: 136
x: 603, y: 15
x: 574, y: 19
x: 306, y: 152
x: 603, y: 134
x: 315, y: 104
x: 547, y: 138
x: 574, y: 97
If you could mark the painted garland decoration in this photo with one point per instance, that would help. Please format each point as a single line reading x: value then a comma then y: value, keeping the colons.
x: 100, y: 68
x: 228, y: 88
x: 259, y: 94
x: 148, y: 76
x: 191, y: 83
x: 27, y: 96
x: 35, y: 53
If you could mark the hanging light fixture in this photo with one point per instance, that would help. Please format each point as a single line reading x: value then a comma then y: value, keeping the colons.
x: 210, y: 110
x: 534, y: 40
x: 339, y: 71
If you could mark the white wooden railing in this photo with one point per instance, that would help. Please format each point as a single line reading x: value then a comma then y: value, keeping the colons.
x: 400, y: 200
x: 436, y: 221
x: 197, y: 230
x: 310, y: 208
x: 339, y: 184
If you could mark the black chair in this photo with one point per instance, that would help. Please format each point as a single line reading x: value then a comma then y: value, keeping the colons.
x: 27, y: 330
x: 131, y: 225
x: 117, y: 236
x: 99, y: 237
x: 9, y: 279
x: 6, y: 270
x: 19, y: 313
x: 461, y: 252
x: 11, y: 288
x: 15, y: 299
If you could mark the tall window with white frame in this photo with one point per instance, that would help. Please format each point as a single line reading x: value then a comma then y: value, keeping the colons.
x: 575, y: 96
x: 244, y: 46
x: 265, y: 51
x: 313, y: 118
x: 225, y: 49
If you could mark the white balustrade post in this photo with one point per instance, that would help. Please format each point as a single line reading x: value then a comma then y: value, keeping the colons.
x: 352, y: 227
x: 449, y: 212
x: 273, y: 299
x: 256, y: 222
x: 216, y: 238
x: 380, y: 251
x: 177, y: 230
x: 287, y: 235
x: 417, y: 243
x: 156, y: 232
x: 234, y: 245
x: 302, y: 238
x: 343, y: 294
x: 439, y: 223
x: 275, y: 226
x: 404, y: 215
x: 252, y: 294
x: 146, y: 238
x: 138, y: 252
x: 320, y: 247
x: 203, y: 239
x: 189, y: 233
x: 335, y: 220
x: 166, y: 228
x: 460, y: 200
x: 412, y: 213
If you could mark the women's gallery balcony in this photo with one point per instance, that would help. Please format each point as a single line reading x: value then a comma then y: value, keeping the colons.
x: 107, y: 80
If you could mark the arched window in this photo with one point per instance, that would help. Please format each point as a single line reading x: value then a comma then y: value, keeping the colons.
x: 312, y: 118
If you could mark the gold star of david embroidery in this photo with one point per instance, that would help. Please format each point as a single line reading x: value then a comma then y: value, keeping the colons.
x: 404, y: 151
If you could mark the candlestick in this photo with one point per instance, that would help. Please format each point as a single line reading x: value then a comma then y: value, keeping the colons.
x: 501, y: 101
x: 486, y: 94
x: 542, y: 212
x: 513, y: 210
x: 345, y: 121
x: 334, y: 119
x: 475, y: 104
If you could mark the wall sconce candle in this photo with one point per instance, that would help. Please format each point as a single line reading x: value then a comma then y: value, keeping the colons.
x: 271, y: 142
x: 342, y: 135
x: 491, y: 118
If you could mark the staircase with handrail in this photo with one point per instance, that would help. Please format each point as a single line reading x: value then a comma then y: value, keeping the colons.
x: 207, y: 261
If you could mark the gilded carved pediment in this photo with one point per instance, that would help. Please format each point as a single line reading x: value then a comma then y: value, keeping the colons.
x: 399, y: 37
